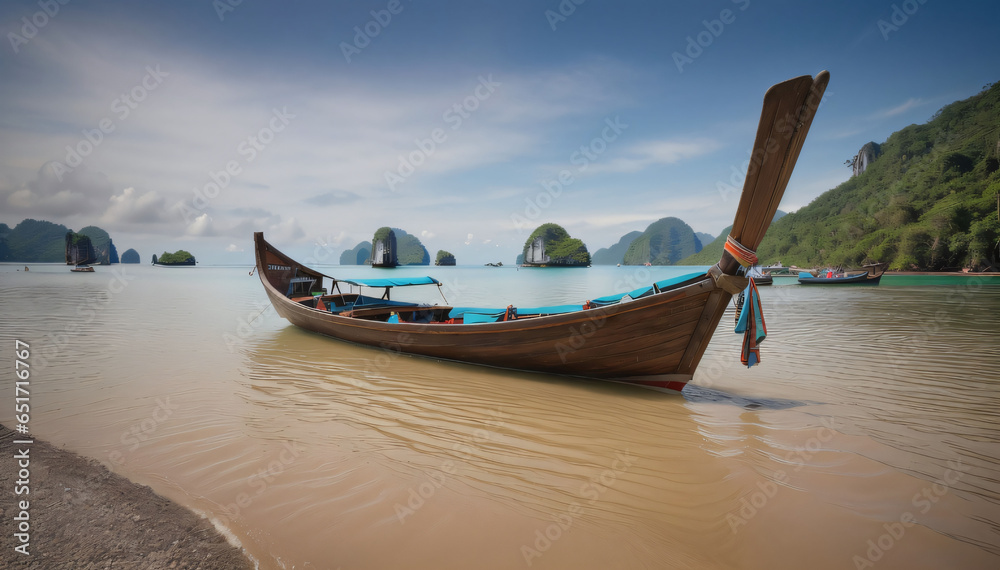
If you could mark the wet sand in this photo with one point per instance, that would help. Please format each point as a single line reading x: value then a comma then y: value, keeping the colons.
x: 82, y: 516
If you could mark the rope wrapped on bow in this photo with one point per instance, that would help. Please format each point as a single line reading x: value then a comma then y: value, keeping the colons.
x: 744, y: 255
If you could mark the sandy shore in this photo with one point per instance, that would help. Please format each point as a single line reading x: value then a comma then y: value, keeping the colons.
x: 84, y: 517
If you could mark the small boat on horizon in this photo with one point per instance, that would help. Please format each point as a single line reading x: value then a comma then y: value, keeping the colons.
x: 760, y: 277
x: 834, y: 277
x: 653, y: 336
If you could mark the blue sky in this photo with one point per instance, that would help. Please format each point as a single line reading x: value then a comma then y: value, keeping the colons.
x: 192, y: 124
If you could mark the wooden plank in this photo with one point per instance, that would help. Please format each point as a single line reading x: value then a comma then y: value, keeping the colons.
x: 710, y: 317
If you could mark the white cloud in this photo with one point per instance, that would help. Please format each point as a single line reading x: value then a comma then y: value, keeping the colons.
x: 233, y: 248
x: 201, y: 227
x: 655, y: 153
x: 174, y: 147
x: 322, y: 171
x: 286, y: 231
x: 129, y: 207
x: 911, y: 103
x: 57, y: 193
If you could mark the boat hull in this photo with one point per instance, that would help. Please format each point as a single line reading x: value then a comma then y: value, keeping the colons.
x: 860, y: 279
x: 640, y: 342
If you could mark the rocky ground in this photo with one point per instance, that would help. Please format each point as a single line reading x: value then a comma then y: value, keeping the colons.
x: 84, y: 517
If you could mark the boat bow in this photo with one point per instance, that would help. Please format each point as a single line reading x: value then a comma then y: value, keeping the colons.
x: 788, y: 111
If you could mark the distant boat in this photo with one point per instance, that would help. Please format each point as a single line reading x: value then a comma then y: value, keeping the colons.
x: 497, y: 264
x: 761, y: 278
x: 776, y: 269
x: 82, y: 269
x: 831, y: 277
x: 653, y: 336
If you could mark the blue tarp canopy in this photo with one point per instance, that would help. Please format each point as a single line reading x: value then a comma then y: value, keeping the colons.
x: 668, y: 283
x: 550, y: 310
x: 478, y: 314
x: 473, y: 318
x: 393, y: 282
x: 458, y: 312
x: 643, y: 291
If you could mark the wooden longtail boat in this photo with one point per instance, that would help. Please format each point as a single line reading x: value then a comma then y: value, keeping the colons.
x: 656, y: 339
x: 760, y: 277
x: 864, y: 278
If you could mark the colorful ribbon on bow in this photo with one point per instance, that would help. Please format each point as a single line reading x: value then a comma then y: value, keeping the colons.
x: 751, y: 324
x: 741, y: 253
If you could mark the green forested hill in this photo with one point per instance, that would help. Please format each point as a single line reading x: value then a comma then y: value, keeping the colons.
x: 444, y: 258
x: 358, y: 255
x: 177, y: 257
x: 665, y: 242
x: 560, y: 247
x: 616, y: 253
x: 930, y: 201
x: 711, y: 253
x: 40, y: 241
x: 35, y: 241
x: 411, y: 250
x: 104, y: 247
